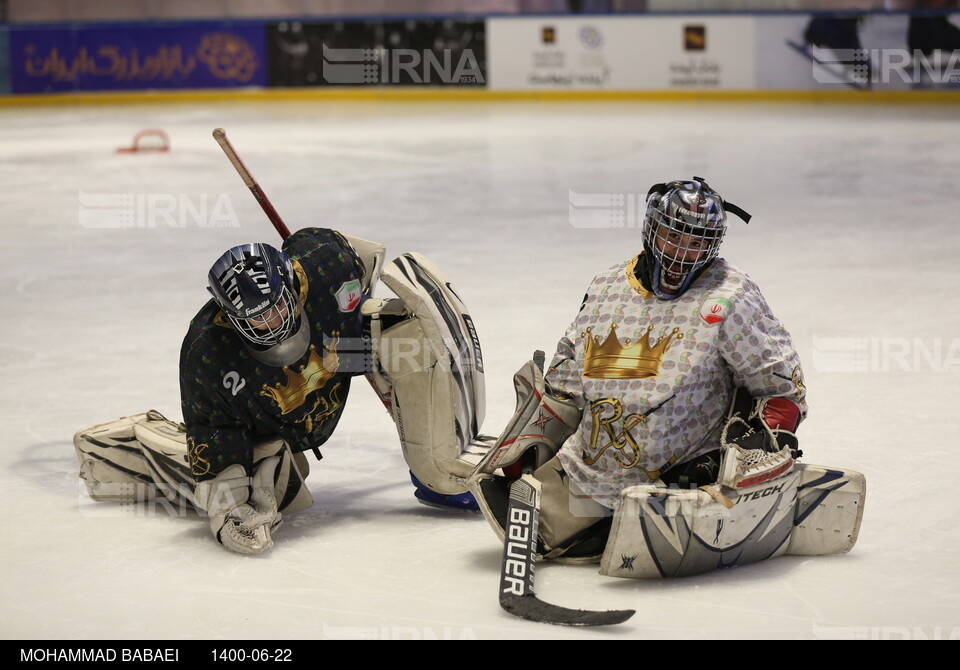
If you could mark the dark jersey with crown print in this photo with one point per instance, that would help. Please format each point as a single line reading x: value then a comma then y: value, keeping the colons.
x: 231, y: 401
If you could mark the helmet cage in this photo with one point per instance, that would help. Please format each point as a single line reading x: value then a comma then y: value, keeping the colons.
x: 683, y: 228
x: 261, y: 330
x: 254, y: 285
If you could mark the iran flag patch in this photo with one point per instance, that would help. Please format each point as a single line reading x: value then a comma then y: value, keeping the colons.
x: 713, y: 310
x: 348, y: 295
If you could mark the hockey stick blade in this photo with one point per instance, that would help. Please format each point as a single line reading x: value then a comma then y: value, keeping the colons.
x: 519, y: 560
x: 533, y: 609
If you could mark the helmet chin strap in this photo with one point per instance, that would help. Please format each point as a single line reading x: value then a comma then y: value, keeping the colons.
x: 287, y: 352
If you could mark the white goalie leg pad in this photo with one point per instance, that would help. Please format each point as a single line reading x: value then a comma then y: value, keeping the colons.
x: 660, y: 532
x: 372, y: 255
x: 135, y: 458
x: 140, y: 457
x: 431, y: 369
x: 829, y: 511
x: 423, y: 398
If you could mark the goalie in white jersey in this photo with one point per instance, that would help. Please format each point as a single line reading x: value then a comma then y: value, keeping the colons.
x: 675, y: 373
x: 661, y: 343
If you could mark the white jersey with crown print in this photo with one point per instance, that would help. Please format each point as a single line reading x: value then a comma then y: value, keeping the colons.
x: 655, y: 377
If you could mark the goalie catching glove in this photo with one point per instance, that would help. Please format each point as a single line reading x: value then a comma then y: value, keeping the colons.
x: 243, y: 510
x: 758, y: 443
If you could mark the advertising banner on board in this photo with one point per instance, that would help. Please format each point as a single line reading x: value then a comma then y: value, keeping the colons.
x: 378, y: 53
x: 136, y: 56
x: 895, y: 51
x: 625, y: 53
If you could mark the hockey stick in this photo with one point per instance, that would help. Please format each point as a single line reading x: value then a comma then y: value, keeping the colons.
x: 220, y: 135
x: 520, y: 557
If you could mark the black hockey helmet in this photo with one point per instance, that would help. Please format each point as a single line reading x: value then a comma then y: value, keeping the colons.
x: 256, y: 287
x: 683, y: 227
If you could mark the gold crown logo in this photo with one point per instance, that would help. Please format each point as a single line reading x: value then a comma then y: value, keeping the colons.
x: 312, y: 377
x: 612, y: 360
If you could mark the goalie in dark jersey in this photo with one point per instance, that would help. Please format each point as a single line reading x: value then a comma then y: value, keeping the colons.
x: 265, y: 372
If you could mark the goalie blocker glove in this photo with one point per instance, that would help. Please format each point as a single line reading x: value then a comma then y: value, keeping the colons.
x: 765, y: 423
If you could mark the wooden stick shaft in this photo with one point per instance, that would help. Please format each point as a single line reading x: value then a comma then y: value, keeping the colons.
x: 220, y: 136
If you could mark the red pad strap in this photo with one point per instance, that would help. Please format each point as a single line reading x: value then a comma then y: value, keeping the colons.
x: 780, y: 413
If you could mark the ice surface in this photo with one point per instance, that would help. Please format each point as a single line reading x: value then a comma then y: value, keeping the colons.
x: 854, y: 241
